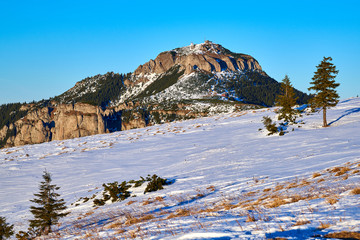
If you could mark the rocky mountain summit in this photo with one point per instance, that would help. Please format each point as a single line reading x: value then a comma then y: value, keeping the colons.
x: 207, y: 56
x: 183, y: 83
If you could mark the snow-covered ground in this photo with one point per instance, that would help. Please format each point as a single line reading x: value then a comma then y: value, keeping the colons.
x: 230, y: 180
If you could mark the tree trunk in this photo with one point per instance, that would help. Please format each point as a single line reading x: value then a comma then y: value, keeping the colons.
x: 324, y: 117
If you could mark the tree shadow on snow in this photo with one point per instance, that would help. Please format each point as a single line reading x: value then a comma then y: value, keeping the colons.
x: 348, y: 112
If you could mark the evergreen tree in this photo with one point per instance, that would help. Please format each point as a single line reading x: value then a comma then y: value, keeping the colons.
x: 50, y: 208
x: 269, y: 125
x: 6, y: 230
x: 324, y: 85
x: 287, y: 100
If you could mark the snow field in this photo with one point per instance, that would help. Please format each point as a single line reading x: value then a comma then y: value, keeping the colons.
x: 231, y: 181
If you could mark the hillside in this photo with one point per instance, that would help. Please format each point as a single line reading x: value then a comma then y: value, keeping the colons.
x: 184, y: 83
x: 193, y: 73
x: 229, y: 180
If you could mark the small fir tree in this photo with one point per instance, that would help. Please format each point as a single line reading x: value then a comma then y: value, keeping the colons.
x: 324, y: 86
x: 269, y: 125
x: 50, y: 208
x: 6, y: 230
x: 287, y: 100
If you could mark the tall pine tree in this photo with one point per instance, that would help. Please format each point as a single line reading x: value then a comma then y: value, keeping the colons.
x: 287, y: 100
x: 6, y: 230
x: 324, y: 86
x: 50, y: 209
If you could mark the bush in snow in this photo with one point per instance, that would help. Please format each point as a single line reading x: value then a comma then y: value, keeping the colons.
x: 113, y: 191
x: 269, y: 125
x: 155, y: 183
x: 6, y: 230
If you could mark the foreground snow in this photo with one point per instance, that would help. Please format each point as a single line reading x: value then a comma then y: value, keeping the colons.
x: 231, y: 181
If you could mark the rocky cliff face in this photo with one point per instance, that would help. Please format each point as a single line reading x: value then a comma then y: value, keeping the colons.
x: 57, y: 122
x: 208, y: 56
x: 67, y: 121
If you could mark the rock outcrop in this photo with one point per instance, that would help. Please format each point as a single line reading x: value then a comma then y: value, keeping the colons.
x: 207, y: 56
x: 59, y: 122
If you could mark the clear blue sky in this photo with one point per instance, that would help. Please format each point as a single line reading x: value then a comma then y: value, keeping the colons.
x: 47, y: 46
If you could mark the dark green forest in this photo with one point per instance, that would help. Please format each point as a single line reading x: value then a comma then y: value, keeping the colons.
x: 258, y: 88
x: 109, y: 88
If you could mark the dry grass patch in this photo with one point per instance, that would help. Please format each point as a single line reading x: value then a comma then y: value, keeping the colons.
x: 340, y: 170
x: 355, y: 191
x: 292, y: 185
x: 278, y: 187
x: 180, y: 212
x: 89, y: 213
x: 159, y: 199
x: 324, y: 225
x: 130, y: 202
x: 304, y: 183
x: 276, y: 202
x: 315, y: 175
x: 332, y: 199
x: 250, y: 218
x: 267, y: 190
x: 115, y: 225
x: 211, y: 188
x: 131, y: 220
x: 320, y: 180
x: 343, y: 235
x: 250, y: 194
x: 301, y: 223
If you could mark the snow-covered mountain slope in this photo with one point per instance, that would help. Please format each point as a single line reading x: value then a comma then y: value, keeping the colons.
x: 230, y: 180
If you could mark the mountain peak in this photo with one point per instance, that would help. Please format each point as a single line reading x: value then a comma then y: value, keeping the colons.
x: 202, y: 48
x: 207, y: 56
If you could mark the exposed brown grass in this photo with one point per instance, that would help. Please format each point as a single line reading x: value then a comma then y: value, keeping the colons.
x: 315, y: 175
x: 131, y: 220
x: 320, y: 180
x: 250, y: 218
x: 180, y: 212
x: 130, y: 202
x: 276, y: 202
x: 355, y: 191
x: 343, y: 235
x: 292, y: 185
x: 340, y: 170
x: 304, y: 183
x: 115, y: 225
x: 267, y: 190
x: 301, y: 222
x: 211, y: 188
x: 324, y: 225
x: 278, y: 187
x: 88, y: 213
x: 332, y: 199
x: 159, y: 199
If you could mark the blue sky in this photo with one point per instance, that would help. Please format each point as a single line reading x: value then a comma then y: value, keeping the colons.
x: 47, y: 46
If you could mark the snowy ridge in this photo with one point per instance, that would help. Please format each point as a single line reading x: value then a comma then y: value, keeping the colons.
x: 231, y: 181
x: 138, y: 88
x: 192, y: 86
x: 207, y: 46
x: 83, y: 87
